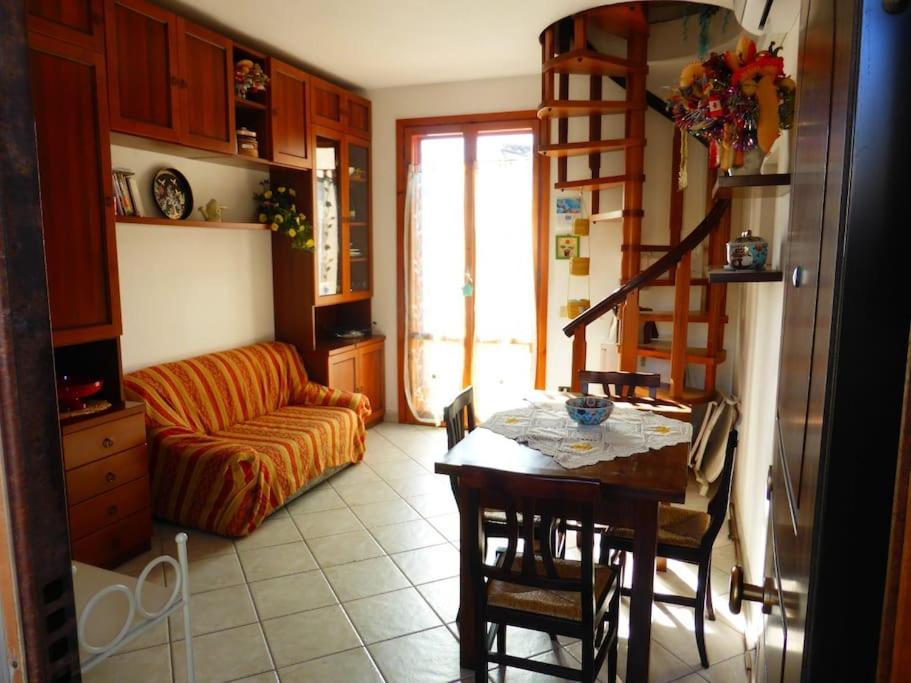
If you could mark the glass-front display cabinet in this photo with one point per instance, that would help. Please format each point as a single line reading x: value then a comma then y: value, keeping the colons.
x: 359, y: 216
x: 341, y: 221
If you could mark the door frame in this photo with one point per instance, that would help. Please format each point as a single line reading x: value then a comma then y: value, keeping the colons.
x: 405, y: 130
x: 36, y: 588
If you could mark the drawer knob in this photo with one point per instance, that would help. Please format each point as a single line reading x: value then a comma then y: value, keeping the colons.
x: 110, y: 477
x: 108, y: 442
x: 112, y: 510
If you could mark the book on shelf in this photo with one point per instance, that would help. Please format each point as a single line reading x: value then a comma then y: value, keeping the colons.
x: 127, y: 200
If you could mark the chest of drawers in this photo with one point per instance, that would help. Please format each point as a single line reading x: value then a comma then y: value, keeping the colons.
x: 107, y: 485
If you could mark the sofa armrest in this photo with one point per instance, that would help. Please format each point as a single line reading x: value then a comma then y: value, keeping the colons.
x: 319, y: 395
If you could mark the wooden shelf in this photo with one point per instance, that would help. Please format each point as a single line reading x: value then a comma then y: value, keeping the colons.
x: 249, y: 104
x: 575, y: 149
x: 562, y: 109
x: 358, y: 224
x: 168, y: 222
x: 357, y: 259
x: 732, y: 276
x: 755, y: 180
x: 587, y: 62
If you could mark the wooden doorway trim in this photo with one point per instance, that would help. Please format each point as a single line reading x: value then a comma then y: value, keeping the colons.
x: 32, y: 467
x: 470, y: 125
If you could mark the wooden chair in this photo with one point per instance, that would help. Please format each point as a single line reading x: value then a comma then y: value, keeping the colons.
x: 624, y: 383
x: 688, y: 536
x: 537, y: 590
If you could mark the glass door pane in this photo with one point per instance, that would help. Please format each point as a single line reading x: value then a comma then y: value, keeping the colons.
x: 359, y: 216
x: 435, y: 299
x: 327, y: 225
x: 505, y: 314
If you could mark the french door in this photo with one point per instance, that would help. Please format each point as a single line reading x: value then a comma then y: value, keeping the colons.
x: 472, y: 286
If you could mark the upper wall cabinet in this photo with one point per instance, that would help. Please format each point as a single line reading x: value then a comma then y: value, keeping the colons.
x: 142, y: 56
x: 206, y: 88
x: 290, y: 131
x: 69, y: 96
x: 339, y: 109
x: 75, y: 21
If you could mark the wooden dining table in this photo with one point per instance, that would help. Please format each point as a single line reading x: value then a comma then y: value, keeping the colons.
x: 633, y: 487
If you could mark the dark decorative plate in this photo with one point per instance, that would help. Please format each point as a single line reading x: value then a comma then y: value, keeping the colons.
x: 172, y: 193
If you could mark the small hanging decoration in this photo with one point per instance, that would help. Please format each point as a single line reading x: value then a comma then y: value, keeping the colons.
x: 682, y: 178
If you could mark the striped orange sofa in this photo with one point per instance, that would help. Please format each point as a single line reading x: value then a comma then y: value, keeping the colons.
x: 234, y: 435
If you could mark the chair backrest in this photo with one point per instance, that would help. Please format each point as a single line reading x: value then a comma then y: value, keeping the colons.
x: 620, y: 384
x: 718, y: 505
x: 458, y: 417
x: 528, y: 496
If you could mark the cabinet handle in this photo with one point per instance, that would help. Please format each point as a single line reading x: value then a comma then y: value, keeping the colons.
x: 108, y: 442
x: 110, y: 477
x: 112, y: 511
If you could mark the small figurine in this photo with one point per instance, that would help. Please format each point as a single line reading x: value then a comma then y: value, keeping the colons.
x: 212, y: 211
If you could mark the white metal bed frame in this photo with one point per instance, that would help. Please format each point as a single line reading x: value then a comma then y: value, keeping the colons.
x: 129, y: 631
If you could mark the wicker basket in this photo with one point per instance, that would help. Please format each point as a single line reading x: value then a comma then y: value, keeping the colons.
x: 575, y: 307
x: 579, y: 265
x: 580, y: 227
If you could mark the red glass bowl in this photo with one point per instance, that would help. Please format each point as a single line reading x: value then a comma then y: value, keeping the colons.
x: 72, y: 390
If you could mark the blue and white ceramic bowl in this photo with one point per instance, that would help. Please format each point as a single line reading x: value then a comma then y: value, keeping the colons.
x: 589, y: 410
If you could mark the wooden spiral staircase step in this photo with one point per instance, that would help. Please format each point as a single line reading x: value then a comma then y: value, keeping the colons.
x: 586, y: 147
x: 590, y: 63
x: 604, y: 183
x: 700, y: 316
x: 561, y: 109
x: 694, y: 354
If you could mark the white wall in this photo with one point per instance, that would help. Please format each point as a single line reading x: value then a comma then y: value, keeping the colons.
x: 187, y: 291
x: 755, y: 360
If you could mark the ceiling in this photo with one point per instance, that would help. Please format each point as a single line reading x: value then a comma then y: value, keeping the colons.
x: 385, y: 43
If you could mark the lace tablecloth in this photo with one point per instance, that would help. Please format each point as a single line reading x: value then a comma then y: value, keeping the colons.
x: 549, y: 429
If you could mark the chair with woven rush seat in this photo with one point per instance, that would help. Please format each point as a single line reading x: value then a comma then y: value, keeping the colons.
x: 537, y: 590
x: 688, y: 536
x: 624, y: 383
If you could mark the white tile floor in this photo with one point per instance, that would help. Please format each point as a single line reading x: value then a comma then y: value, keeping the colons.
x: 357, y: 580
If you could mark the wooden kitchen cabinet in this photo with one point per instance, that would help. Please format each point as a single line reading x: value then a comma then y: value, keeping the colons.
x: 206, y: 89
x: 336, y: 108
x: 76, y: 21
x: 142, y: 59
x: 69, y: 96
x: 290, y: 127
x: 356, y: 366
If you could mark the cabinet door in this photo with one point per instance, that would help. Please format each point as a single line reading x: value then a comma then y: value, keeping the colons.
x: 371, y: 375
x: 69, y: 100
x: 358, y: 223
x: 343, y: 371
x: 328, y: 104
x: 206, y: 88
x: 142, y: 56
x: 290, y: 127
x: 76, y: 21
x: 358, y: 116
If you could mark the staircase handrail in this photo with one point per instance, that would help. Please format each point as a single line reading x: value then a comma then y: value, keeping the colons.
x: 711, y: 222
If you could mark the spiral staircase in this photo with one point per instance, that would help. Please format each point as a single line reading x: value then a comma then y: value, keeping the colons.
x: 569, y: 52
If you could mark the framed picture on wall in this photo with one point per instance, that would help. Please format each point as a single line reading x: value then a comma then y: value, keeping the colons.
x: 567, y: 247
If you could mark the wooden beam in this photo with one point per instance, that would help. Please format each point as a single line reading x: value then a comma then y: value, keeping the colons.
x: 680, y: 326
x: 579, y: 353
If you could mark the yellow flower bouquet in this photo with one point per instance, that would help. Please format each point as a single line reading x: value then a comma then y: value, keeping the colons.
x: 278, y: 210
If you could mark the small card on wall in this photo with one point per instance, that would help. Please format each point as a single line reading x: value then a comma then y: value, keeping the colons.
x: 568, y: 207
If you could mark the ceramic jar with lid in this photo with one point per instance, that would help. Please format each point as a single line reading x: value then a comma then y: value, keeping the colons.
x: 748, y: 251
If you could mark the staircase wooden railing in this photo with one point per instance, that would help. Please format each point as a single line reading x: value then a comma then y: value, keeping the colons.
x: 627, y: 294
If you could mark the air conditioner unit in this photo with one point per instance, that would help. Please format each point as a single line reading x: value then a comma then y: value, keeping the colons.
x: 752, y: 14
